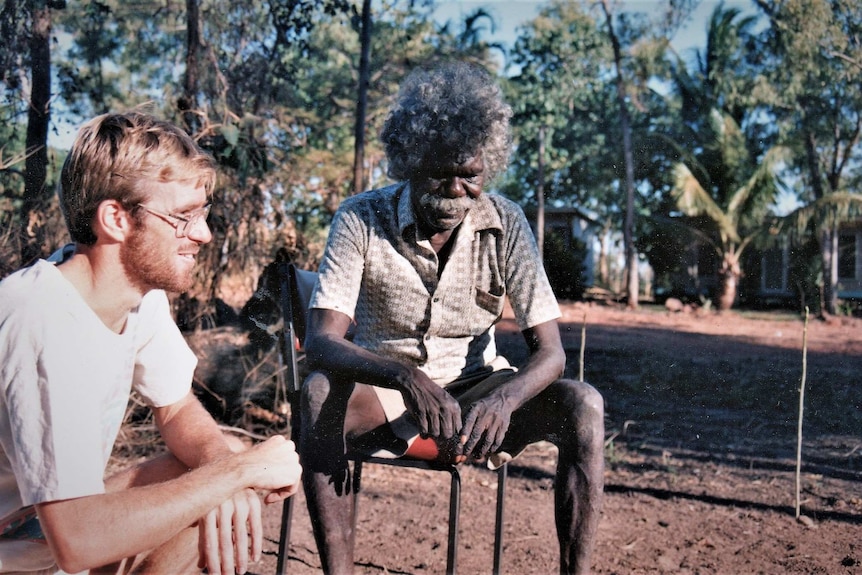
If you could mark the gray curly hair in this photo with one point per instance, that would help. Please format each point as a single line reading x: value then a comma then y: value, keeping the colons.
x: 447, y: 115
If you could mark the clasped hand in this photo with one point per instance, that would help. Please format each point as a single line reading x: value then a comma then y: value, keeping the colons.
x: 228, y: 532
x: 438, y: 415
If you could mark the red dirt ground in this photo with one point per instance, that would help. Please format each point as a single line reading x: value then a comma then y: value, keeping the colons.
x: 701, y: 456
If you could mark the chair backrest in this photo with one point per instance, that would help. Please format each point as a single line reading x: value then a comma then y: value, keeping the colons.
x: 296, y: 288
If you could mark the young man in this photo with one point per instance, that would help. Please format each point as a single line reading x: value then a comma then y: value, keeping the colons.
x: 424, y: 267
x: 77, y: 336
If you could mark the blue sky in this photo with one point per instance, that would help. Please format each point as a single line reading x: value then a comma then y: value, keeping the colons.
x: 510, y: 14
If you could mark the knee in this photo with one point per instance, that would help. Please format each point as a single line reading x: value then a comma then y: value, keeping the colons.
x: 592, y: 404
x: 316, y: 389
x: 587, y: 408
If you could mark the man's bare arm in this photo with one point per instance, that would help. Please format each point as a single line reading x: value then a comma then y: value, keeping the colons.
x: 436, y: 411
x: 487, y: 422
x: 91, y: 531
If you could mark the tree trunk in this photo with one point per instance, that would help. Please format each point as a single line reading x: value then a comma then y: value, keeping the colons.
x: 38, y: 119
x: 362, y: 99
x: 188, y: 105
x: 727, y: 297
x: 604, y: 271
x: 728, y: 278
x: 540, y: 197
x: 829, y: 258
x: 828, y: 238
x: 632, y: 288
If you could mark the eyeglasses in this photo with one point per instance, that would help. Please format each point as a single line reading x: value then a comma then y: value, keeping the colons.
x: 183, y: 223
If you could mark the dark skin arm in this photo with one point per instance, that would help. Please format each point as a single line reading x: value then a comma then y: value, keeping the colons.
x: 487, y: 421
x: 436, y: 411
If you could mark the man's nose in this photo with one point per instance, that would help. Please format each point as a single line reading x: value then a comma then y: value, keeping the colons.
x: 454, y: 188
x: 200, y: 232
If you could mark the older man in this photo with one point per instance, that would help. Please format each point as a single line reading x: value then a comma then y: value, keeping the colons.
x: 424, y: 267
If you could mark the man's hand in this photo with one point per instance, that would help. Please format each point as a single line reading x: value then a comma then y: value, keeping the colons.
x: 436, y: 411
x: 233, y: 529
x: 273, y: 465
x: 228, y: 532
x: 485, y: 427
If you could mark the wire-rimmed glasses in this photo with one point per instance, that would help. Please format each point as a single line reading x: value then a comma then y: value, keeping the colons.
x: 183, y: 223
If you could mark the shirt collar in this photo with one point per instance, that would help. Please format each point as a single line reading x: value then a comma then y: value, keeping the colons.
x: 481, y: 216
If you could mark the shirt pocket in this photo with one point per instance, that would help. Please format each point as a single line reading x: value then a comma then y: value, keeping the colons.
x: 490, y: 303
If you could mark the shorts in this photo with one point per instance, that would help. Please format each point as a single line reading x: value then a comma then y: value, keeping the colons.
x: 466, y: 390
x: 23, y: 548
x: 22, y: 525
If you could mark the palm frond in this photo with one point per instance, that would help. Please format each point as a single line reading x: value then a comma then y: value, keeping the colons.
x: 763, y: 181
x: 694, y: 200
x: 827, y: 212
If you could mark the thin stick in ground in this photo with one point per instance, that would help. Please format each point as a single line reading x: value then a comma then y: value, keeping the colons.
x: 801, y: 408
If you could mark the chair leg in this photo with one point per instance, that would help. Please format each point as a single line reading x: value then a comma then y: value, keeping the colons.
x: 454, y: 517
x: 284, y: 536
x: 357, y: 486
x: 502, y: 474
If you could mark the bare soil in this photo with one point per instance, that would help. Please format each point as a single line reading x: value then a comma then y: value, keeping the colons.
x: 701, y: 428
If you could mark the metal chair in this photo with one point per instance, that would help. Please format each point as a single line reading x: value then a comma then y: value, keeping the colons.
x: 296, y: 286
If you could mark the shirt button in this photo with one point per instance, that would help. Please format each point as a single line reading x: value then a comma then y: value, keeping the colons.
x: 436, y: 299
x: 427, y: 337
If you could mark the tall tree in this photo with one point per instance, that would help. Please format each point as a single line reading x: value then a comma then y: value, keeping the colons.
x: 560, y: 113
x: 815, y: 75
x: 365, y: 31
x: 632, y: 289
x: 562, y: 60
x: 38, y: 120
x: 188, y: 103
x: 727, y: 179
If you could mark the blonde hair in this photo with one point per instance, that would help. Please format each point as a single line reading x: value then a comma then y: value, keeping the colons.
x: 115, y: 156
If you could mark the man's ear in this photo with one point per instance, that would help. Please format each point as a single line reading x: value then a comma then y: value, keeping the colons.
x: 112, y: 222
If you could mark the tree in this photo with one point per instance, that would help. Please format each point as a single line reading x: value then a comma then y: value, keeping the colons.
x: 814, y: 78
x: 563, y: 59
x: 726, y: 181
x: 38, y: 118
x: 632, y: 291
x: 560, y: 117
x: 362, y: 99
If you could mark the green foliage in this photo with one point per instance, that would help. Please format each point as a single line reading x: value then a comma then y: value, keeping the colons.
x: 726, y: 180
x: 562, y: 60
x: 275, y: 92
x: 813, y: 68
x: 562, y: 84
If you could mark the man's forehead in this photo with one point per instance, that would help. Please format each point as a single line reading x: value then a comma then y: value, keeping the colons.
x: 473, y: 163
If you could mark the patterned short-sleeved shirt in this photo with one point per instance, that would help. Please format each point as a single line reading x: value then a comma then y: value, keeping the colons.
x: 379, y: 270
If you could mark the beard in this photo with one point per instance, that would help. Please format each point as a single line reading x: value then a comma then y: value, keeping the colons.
x: 444, y: 213
x: 149, y: 265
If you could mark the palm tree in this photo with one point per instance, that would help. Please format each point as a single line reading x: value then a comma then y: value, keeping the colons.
x: 725, y: 180
x: 734, y: 210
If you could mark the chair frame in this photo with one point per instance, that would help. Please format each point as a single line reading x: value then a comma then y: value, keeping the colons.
x: 294, y: 307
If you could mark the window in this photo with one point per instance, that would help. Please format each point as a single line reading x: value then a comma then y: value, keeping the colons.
x: 773, y: 276
x: 847, y: 256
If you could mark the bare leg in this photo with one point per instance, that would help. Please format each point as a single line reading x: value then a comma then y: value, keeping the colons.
x: 330, y: 411
x: 574, y: 416
x: 180, y: 554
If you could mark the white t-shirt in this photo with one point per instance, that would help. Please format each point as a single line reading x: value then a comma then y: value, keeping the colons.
x: 65, y: 380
